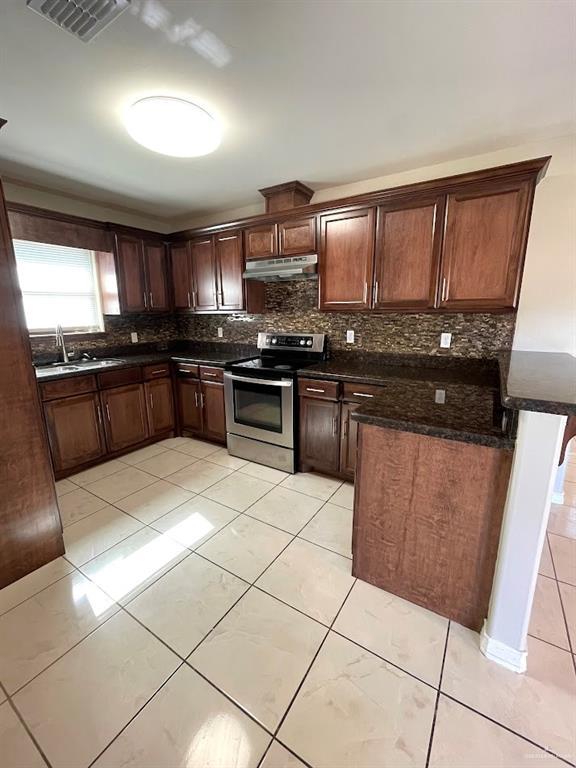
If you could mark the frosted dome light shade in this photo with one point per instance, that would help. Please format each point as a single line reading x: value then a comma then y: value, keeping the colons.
x: 172, y: 126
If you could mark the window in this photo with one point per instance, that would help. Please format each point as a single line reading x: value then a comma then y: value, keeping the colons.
x: 59, y: 286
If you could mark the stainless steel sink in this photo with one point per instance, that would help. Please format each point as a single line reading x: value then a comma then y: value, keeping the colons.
x: 80, y: 365
x: 99, y: 363
x: 51, y: 370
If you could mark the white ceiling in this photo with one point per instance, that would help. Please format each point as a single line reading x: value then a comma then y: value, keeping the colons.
x: 325, y: 91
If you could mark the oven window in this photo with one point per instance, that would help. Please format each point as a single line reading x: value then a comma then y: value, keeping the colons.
x: 258, y: 405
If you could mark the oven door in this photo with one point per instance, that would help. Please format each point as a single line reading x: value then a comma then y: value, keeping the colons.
x: 262, y: 409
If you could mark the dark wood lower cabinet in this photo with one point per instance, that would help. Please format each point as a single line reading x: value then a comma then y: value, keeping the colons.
x: 189, y: 404
x: 319, y: 434
x: 348, y: 440
x: 160, y: 404
x: 75, y: 430
x: 125, y: 416
x: 213, y: 414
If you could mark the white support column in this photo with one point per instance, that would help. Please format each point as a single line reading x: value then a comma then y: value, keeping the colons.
x: 526, y: 513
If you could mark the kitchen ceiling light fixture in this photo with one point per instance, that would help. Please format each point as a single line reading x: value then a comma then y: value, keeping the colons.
x: 172, y: 126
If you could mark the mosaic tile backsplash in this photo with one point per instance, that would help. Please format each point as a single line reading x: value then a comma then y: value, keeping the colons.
x: 292, y: 307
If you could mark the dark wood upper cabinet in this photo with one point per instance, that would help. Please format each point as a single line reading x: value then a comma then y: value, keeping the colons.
x: 319, y: 434
x: 297, y: 236
x: 408, y: 243
x: 346, y: 260
x: 181, y: 275
x: 156, y: 276
x: 131, y: 279
x: 213, y: 413
x: 125, y: 416
x: 204, y: 274
x: 229, y: 268
x: 484, y: 244
x: 75, y: 430
x: 261, y: 241
x: 160, y: 405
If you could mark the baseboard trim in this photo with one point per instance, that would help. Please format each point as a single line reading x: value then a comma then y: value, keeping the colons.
x: 502, y: 654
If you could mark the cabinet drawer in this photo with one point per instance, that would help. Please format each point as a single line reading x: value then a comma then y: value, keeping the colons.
x: 156, y: 371
x: 328, y: 390
x: 187, y: 369
x: 211, y: 374
x: 119, y: 378
x: 358, y: 393
x: 75, y: 385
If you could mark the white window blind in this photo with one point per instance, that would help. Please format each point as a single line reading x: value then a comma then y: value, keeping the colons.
x: 59, y: 286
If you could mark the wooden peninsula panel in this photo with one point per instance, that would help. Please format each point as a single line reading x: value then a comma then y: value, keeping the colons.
x: 427, y: 519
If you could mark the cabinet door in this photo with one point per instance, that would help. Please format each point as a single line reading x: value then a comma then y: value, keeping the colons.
x: 204, y: 275
x: 260, y: 241
x: 297, y: 236
x: 213, y: 414
x: 156, y: 276
x: 408, y: 242
x: 131, y: 281
x: 126, y: 421
x: 229, y: 268
x: 181, y: 275
x: 189, y: 404
x: 160, y: 404
x: 75, y: 430
x: 484, y: 244
x: 319, y: 434
x: 346, y: 260
x: 348, y: 439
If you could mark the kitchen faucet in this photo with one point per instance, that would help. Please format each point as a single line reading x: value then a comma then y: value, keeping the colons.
x: 60, y: 342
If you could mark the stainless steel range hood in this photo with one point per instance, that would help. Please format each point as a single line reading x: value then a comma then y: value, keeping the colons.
x: 282, y: 268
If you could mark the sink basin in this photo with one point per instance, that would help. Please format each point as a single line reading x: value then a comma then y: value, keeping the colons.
x: 80, y: 365
x: 50, y: 370
x: 99, y: 363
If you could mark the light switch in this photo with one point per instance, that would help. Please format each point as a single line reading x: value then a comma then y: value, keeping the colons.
x: 220, y: 332
x: 445, y: 340
x: 349, y: 337
x: 440, y: 396
x: 134, y: 338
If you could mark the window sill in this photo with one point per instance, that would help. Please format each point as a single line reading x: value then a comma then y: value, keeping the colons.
x: 72, y: 335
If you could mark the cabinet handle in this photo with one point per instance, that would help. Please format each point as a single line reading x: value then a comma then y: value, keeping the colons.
x: 345, y: 430
x: 151, y: 398
x: 202, y: 399
x: 108, y: 412
x: 444, y: 284
x: 334, y: 426
x: 311, y: 389
x: 375, y: 296
x: 99, y: 413
x: 189, y: 305
x: 196, y: 399
x: 361, y: 394
x: 151, y: 300
x: 145, y: 300
x: 160, y: 370
x: 205, y: 373
x: 365, y: 292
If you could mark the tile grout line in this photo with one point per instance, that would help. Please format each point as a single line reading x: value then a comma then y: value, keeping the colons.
x: 429, y: 752
x: 24, y: 724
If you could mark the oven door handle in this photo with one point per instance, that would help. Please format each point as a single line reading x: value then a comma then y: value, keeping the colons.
x: 254, y: 380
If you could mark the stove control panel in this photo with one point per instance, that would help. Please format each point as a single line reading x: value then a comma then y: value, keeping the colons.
x: 306, y: 342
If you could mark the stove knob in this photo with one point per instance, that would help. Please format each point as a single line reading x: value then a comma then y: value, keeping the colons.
x: 302, y: 342
x: 309, y: 343
x: 274, y: 340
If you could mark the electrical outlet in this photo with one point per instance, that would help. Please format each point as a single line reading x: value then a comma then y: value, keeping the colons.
x: 220, y: 332
x: 349, y: 337
x: 445, y: 340
x: 134, y: 338
x: 440, y: 396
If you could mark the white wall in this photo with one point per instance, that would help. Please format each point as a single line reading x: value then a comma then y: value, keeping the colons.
x: 547, y: 312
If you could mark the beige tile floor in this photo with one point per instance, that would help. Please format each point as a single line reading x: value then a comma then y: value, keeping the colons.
x: 205, y: 616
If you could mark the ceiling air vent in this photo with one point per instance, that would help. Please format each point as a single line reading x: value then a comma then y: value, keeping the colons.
x: 82, y: 18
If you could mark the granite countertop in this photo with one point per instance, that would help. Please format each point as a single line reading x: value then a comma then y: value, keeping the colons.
x: 539, y: 381
x: 413, y: 388
x: 184, y: 354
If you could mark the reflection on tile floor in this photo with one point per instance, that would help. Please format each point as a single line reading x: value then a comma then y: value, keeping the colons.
x: 205, y: 616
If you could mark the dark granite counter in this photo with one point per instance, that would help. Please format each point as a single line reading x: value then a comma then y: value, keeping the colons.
x: 539, y: 381
x: 451, y: 398
x: 182, y: 352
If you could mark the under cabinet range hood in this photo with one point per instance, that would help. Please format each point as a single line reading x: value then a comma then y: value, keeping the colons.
x: 282, y: 268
